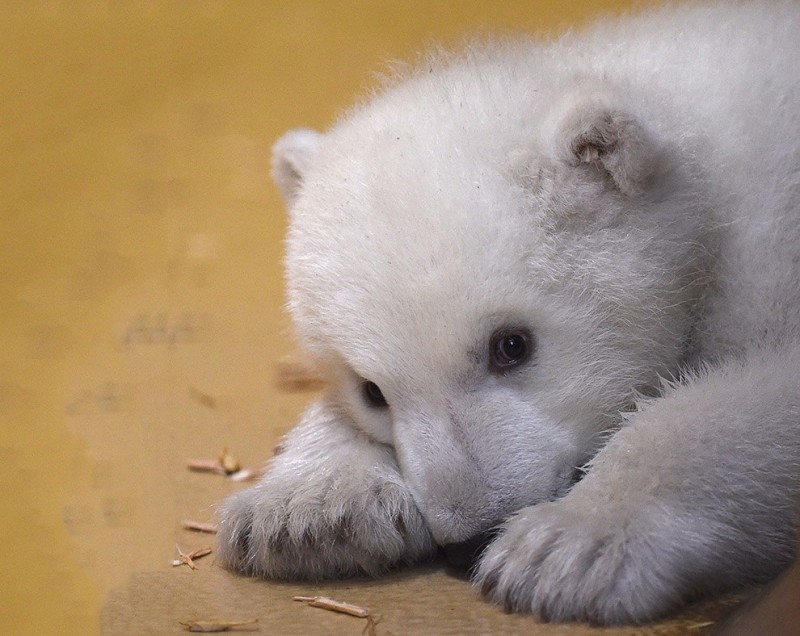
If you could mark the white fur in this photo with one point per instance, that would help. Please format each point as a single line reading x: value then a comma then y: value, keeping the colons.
x: 630, y: 196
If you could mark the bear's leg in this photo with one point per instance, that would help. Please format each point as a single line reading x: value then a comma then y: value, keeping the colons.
x: 332, y: 504
x: 695, y: 493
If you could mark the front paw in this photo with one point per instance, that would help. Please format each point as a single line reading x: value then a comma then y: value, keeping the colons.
x: 566, y: 562
x: 317, y: 528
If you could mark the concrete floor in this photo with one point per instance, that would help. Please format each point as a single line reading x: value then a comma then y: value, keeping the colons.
x: 141, y: 319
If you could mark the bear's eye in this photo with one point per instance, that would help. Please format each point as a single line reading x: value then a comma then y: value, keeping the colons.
x: 373, y: 395
x: 510, y: 348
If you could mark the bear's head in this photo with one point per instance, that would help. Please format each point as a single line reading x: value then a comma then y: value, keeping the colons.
x: 489, y: 278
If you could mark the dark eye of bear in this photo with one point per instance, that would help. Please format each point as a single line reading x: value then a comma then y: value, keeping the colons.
x: 510, y: 349
x: 373, y: 395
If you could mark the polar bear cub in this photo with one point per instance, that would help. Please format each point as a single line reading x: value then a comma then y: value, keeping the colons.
x: 556, y: 291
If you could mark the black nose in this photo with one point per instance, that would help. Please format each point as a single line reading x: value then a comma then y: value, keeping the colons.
x: 465, y: 554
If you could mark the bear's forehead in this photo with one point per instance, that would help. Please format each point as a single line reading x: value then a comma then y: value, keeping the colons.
x: 412, y: 214
x: 412, y: 219
x: 407, y: 252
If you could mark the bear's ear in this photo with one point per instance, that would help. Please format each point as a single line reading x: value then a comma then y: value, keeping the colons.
x: 292, y: 155
x: 594, y: 133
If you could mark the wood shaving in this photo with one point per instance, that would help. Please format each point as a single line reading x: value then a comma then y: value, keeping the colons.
x: 188, y: 559
x: 702, y: 625
x: 326, y: 603
x: 199, y: 526
x: 203, y: 398
x: 228, y: 462
x: 369, y: 628
x: 205, y: 466
x: 227, y: 465
x: 218, y: 626
x: 292, y: 376
x: 323, y: 602
x: 246, y: 474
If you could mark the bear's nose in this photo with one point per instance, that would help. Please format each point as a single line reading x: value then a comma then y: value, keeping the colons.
x: 465, y: 554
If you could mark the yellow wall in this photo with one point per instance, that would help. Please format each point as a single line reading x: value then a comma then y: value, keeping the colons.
x: 140, y: 277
